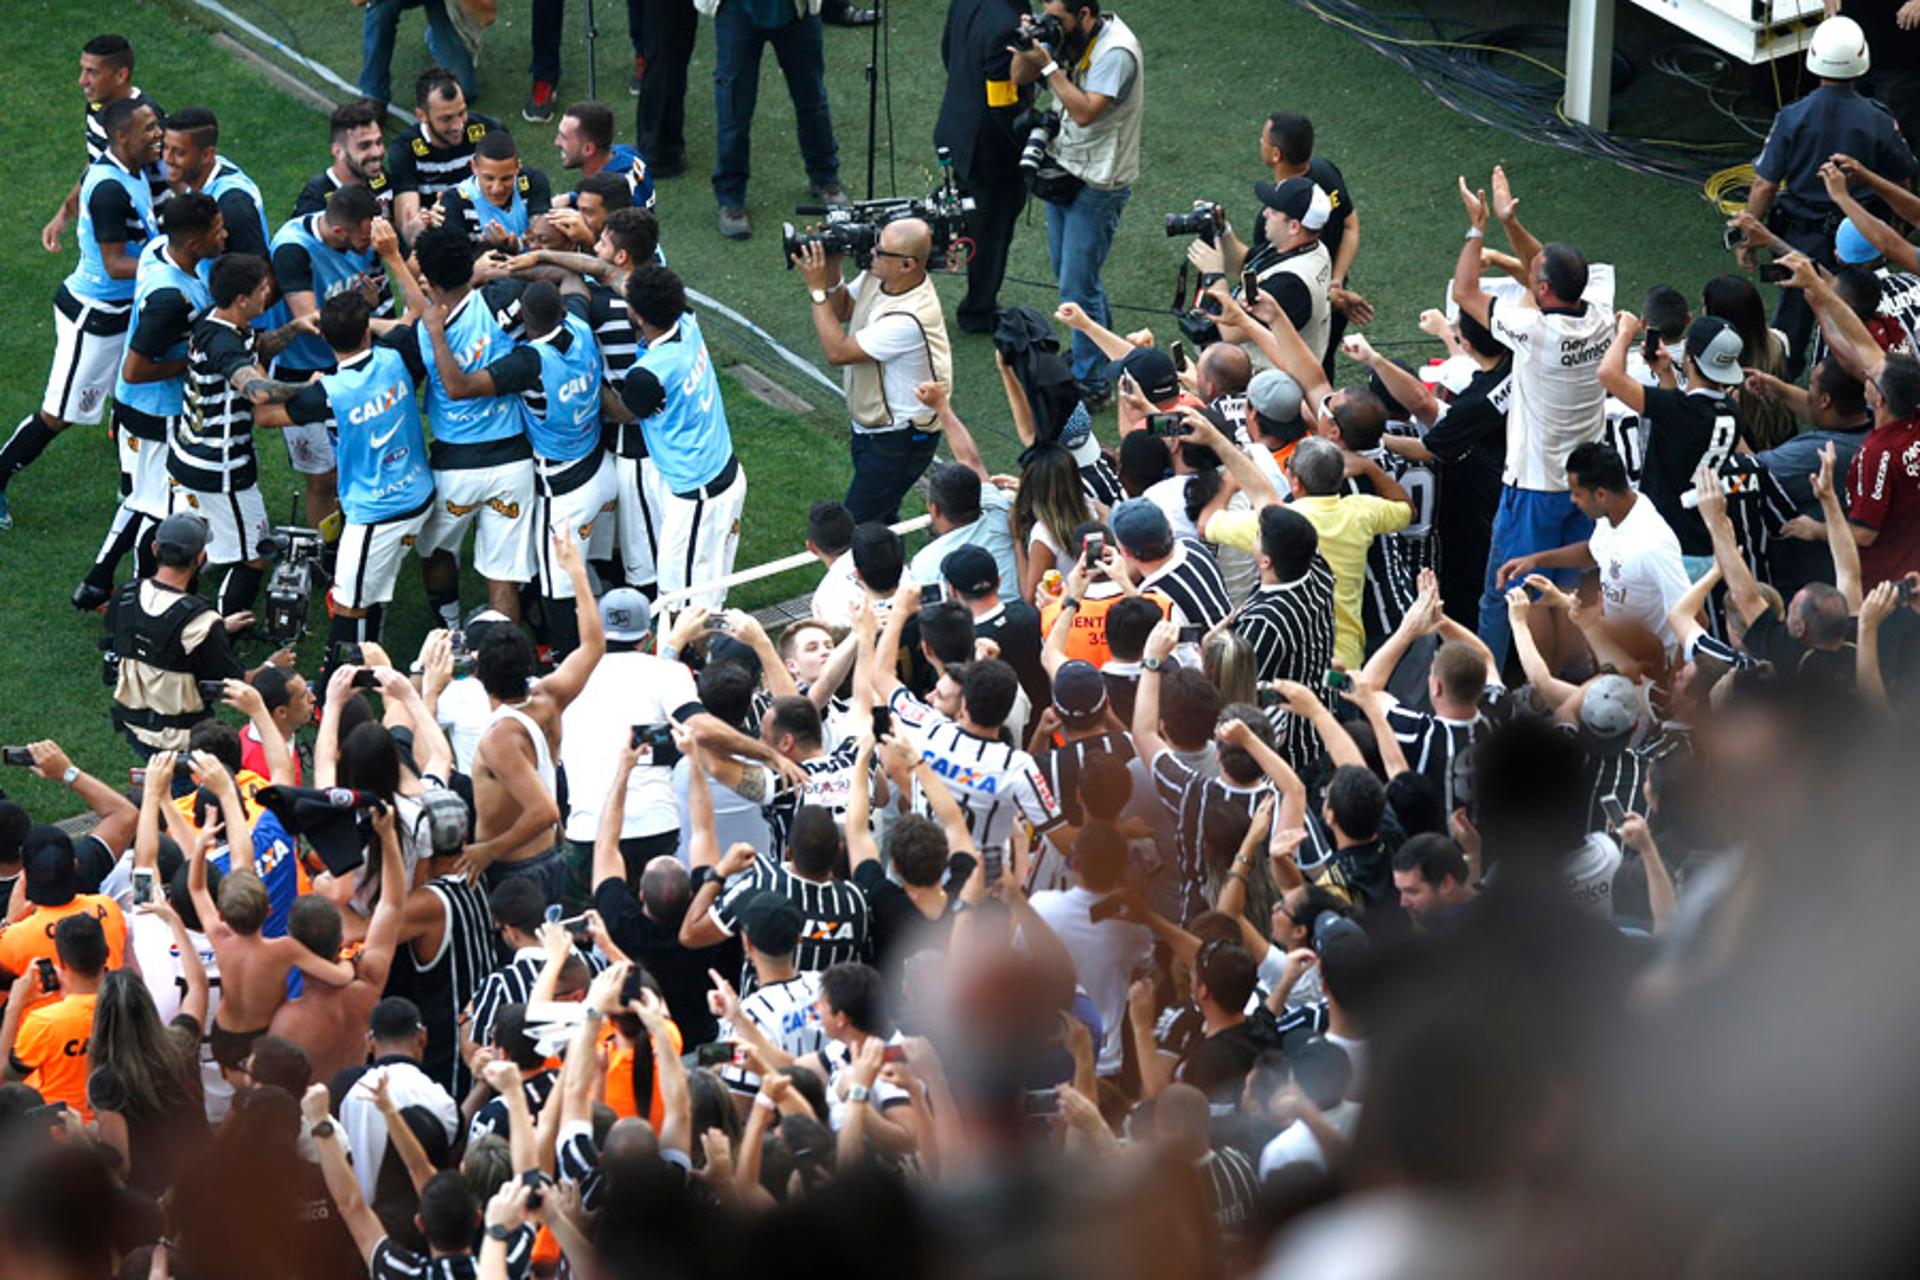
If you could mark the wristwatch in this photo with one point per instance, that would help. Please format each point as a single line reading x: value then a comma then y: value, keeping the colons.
x: 700, y: 875
x: 1151, y: 664
x: 1070, y: 603
x: 323, y: 1130
x: 858, y: 1093
x: 818, y: 295
x: 497, y: 1232
x: 72, y: 771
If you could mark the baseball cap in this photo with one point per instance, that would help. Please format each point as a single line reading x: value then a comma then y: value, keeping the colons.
x: 1275, y: 396
x: 1332, y: 928
x: 1299, y: 198
x: 480, y: 622
x: 182, y: 533
x: 1455, y: 373
x: 1141, y: 529
x: 1715, y: 347
x: 771, y: 923
x: 394, y: 1018
x: 1079, y: 691
x: 971, y: 570
x: 52, y: 873
x: 1153, y: 369
x: 624, y: 614
x: 1609, y: 709
x: 446, y: 815
x: 1852, y: 248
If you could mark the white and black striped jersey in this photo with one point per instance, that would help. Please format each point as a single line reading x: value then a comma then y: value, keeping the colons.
x: 785, y: 1014
x: 390, y: 1261
x: 512, y: 983
x: 1289, y: 626
x: 1394, y: 560
x: 1191, y: 797
x: 1191, y: 581
x: 829, y: 785
x: 1064, y: 764
x: 446, y: 984
x: 97, y: 141
x: 313, y: 196
x: 613, y: 328
x: 417, y: 162
x: 833, y: 916
x: 1233, y: 1186
x: 494, y: 1117
x: 1100, y: 483
x: 1441, y: 750
x: 1757, y: 506
x: 212, y: 442
x: 1624, y: 774
x: 996, y: 783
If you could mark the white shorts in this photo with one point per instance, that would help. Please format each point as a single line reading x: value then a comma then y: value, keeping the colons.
x: 235, y: 521
x: 143, y: 474
x: 309, y: 444
x: 498, y: 501
x: 698, y: 538
x: 587, y: 514
x: 87, y: 347
x: 369, y: 559
x: 639, y: 524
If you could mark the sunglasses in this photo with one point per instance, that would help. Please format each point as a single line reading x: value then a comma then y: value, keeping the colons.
x: 888, y: 253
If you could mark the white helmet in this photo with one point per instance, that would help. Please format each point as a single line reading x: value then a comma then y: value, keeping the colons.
x: 1838, y: 50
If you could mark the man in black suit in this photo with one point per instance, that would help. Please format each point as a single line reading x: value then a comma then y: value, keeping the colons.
x: 976, y: 124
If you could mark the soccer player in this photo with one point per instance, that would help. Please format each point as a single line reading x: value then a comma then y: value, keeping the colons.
x: 106, y: 77
x: 359, y: 156
x: 386, y: 489
x: 211, y: 462
x: 436, y: 155
x: 556, y: 373
x: 482, y: 460
x: 192, y: 153
x: 316, y: 258
x: 672, y: 390
x: 585, y: 140
x: 149, y: 393
x: 92, y: 306
x: 498, y: 201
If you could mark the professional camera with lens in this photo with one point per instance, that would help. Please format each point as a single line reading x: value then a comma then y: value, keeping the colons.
x: 853, y: 229
x: 1204, y: 220
x: 1040, y: 128
x: 1045, y: 29
x: 296, y: 553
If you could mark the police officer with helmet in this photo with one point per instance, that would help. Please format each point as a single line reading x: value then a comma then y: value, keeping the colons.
x: 1787, y: 193
x: 165, y: 640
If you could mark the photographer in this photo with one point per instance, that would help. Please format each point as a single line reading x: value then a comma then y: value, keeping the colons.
x: 1291, y: 265
x: 1093, y: 68
x: 166, y: 640
x: 894, y: 338
x: 976, y: 124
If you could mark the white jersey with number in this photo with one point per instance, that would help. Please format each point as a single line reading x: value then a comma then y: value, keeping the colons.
x: 1558, y: 403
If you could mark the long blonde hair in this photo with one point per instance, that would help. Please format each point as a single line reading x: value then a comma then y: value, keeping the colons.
x: 157, y: 1066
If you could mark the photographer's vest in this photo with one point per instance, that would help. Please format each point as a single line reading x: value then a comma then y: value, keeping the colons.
x: 1106, y: 153
x: 866, y: 390
x: 155, y: 697
x: 1312, y: 266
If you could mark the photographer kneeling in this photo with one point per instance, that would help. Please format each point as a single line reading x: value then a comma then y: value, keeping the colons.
x: 894, y: 338
x: 1092, y: 64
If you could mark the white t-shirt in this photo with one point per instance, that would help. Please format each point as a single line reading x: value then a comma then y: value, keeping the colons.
x: 1558, y: 402
x: 838, y: 593
x: 1641, y: 573
x: 151, y: 940
x: 1170, y: 495
x: 464, y: 712
x: 1590, y: 871
x: 1105, y: 954
x: 1296, y: 1144
x: 900, y: 348
x: 625, y: 689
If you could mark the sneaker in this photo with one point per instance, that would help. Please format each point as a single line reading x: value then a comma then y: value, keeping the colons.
x: 88, y: 598
x: 6, y: 518
x: 471, y: 30
x: 828, y: 193
x: 639, y: 74
x: 539, y: 108
x: 734, y: 224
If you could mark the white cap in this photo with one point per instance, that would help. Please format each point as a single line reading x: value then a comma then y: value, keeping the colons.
x: 1838, y: 50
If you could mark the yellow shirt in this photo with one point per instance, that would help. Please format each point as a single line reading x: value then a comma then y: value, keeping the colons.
x: 1347, y: 525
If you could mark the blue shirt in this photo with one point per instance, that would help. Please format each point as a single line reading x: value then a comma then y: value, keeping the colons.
x: 279, y: 869
x: 562, y: 414
x: 382, y: 445
x: 227, y: 182
x: 89, y: 278
x: 514, y: 218
x: 673, y: 391
x: 303, y: 263
x: 624, y: 160
x: 1807, y: 133
x: 476, y: 339
x: 992, y: 530
x: 160, y: 285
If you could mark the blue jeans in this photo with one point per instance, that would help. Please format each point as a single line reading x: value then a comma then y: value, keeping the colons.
x: 885, y: 465
x: 1529, y: 520
x: 377, y: 29
x: 1079, y: 235
x: 736, y: 89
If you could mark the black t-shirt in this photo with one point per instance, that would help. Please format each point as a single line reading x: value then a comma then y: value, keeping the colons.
x: 166, y: 318
x: 313, y: 196
x: 1470, y: 439
x: 1218, y: 1065
x: 245, y: 222
x: 1684, y: 429
x: 1288, y: 291
x: 681, y: 973
x: 1769, y: 640
x: 895, y: 927
x: 1016, y: 629
x: 114, y: 221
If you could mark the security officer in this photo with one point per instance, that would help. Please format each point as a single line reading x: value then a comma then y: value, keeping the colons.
x: 976, y: 125
x: 1787, y: 192
x: 165, y: 640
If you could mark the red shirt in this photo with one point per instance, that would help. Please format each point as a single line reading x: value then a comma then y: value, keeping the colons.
x: 254, y: 756
x: 1883, y: 494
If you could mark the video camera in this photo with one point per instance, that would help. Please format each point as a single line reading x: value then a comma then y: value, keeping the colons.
x: 853, y: 230
x: 296, y: 553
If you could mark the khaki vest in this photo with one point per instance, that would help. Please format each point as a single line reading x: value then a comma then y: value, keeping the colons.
x: 1106, y: 153
x: 1314, y: 269
x: 866, y: 393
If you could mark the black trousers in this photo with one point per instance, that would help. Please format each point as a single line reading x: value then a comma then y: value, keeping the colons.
x: 997, y: 201
x: 1791, y: 314
x: 668, y: 29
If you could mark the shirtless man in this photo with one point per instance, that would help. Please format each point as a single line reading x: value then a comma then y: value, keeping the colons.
x: 515, y: 809
x: 253, y: 969
x: 330, y: 1023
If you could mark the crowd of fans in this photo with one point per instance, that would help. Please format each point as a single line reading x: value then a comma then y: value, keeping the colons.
x: 1371, y: 818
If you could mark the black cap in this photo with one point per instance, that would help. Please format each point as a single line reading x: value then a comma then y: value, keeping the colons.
x: 971, y: 571
x: 53, y: 876
x: 771, y: 923
x: 395, y: 1018
x: 1153, y: 369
